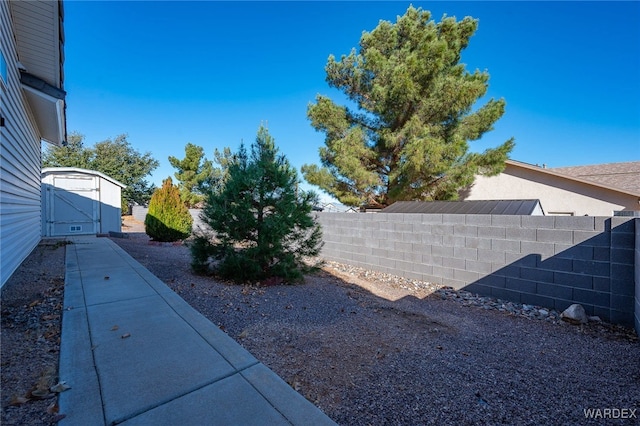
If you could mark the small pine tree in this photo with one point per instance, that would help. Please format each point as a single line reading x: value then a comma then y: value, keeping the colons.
x: 263, y: 225
x: 168, y: 219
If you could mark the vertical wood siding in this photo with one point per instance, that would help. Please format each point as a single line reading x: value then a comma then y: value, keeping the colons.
x: 20, y: 163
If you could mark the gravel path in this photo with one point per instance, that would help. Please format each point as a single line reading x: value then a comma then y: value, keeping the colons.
x: 372, y: 349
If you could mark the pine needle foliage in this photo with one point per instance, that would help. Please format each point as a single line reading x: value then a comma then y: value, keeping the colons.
x: 193, y: 175
x: 264, y: 227
x: 413, y: 113
x: 167, y: 219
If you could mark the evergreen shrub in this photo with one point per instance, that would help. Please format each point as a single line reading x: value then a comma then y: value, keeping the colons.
x: 168, y: 218
x: 263, y: 224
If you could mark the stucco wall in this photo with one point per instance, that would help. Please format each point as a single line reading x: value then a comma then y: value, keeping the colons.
x: 556, y: 195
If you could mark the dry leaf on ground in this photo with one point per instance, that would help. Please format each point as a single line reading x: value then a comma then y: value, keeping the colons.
x: 60, y: 387
x: 18, y: 400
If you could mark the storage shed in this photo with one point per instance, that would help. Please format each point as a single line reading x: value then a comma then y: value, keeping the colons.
x: 79, y: 202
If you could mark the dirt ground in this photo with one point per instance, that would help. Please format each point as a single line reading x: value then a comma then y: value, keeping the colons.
x: 30, y: 337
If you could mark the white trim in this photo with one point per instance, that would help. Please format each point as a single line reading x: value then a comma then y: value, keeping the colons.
x: 41, y: 94
x: 58, y: 110
x: 61, y: 120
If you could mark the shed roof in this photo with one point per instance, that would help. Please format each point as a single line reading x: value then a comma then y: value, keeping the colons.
x: 500, y: 207
x: 62, y: 170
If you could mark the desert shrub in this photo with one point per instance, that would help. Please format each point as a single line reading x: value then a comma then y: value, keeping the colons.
x: 168, y: 219
x: 263, y: 225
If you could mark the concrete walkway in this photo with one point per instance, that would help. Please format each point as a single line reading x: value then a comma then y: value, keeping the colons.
x: 135, y: 353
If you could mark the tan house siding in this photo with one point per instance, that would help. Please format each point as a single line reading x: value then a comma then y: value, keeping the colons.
x: 557, y: 194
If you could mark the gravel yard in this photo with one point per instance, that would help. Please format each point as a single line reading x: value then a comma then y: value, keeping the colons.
x: 372, y: 349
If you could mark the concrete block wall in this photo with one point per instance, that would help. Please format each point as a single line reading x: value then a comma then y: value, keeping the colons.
x: 543, y: 260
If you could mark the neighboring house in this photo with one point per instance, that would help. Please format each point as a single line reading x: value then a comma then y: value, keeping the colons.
x: 334, y: 207
x: 32, y: 109
x: 599, y: 190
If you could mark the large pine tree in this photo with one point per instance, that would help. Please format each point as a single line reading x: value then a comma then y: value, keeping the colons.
x: 262, y: 222
x: 407, y: 137
x: 193, y: 175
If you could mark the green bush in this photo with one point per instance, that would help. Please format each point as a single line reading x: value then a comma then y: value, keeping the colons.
x: 201, y: 253
x: 263, y: 226
x: 168, y: 219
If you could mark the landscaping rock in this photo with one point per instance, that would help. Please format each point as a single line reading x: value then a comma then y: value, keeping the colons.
x: 575, y: 314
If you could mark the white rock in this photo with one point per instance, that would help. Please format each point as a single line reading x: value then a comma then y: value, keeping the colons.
x: 595, y: 318
x: 575, y: 314
x: 543, y: 312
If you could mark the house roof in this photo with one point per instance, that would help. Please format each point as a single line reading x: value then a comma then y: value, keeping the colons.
x: 618, y: 175
x: 496, y: 207
x: 609, y: 183
x: 39, y: 35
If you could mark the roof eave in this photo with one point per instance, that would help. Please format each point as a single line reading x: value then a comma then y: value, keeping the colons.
x: 47, y: 104
x: 41, y: 53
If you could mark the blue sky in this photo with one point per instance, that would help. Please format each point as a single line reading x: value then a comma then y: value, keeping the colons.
x: 209, y: 73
